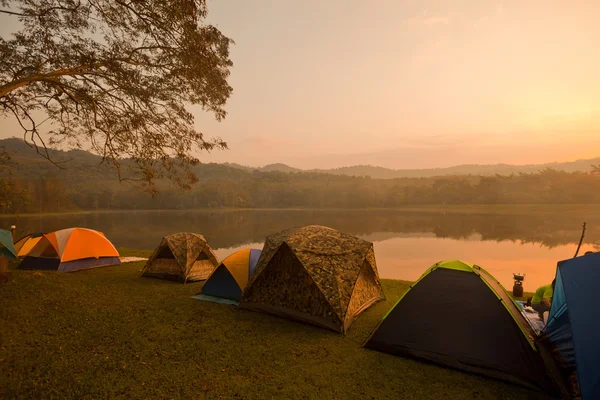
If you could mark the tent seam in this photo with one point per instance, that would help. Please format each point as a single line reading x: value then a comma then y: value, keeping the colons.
x: 577, y: 369
x: 511, y: 314
x: 314, y: 282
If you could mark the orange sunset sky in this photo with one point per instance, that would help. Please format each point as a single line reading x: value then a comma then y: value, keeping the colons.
x: 406, y: 84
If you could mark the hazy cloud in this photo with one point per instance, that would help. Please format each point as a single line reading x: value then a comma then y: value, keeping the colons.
x: 268, y: 140
x: 436, y: 20
x: 500, y: 9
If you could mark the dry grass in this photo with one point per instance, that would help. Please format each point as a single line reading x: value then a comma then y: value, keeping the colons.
x: 107, y: 333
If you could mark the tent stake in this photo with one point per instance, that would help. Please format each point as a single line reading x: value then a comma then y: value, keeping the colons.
x: 580, y: 240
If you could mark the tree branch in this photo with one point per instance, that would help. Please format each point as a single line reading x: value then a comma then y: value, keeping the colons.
x: 43, y: 12
x: 13, y: 85
x: 116, y: 75
x: 580, y: 240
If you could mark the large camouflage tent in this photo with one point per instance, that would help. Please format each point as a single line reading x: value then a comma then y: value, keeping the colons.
x: 184, y: 257
x: 316, y: 275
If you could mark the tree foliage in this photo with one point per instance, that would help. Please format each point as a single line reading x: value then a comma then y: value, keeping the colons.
x: 87, y: 185
x: 221, y: 186
x: 116, y: 76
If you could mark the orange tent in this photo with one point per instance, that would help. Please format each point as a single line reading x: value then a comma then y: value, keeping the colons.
x: 71, y: 250
x: 26, y: 243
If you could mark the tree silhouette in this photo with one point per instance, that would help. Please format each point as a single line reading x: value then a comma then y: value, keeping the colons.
x: 116, y: 76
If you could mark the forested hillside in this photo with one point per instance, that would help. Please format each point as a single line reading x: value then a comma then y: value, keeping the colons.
x: 36, y: 185
x: 467, y: 169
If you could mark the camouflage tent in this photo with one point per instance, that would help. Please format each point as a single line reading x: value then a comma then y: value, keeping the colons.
x: 182, y: 257
x: 314, y: 274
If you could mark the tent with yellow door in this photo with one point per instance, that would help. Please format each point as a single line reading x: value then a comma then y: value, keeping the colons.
x: 70, y: 250
x: 26, y: 243
x: 231, y: 277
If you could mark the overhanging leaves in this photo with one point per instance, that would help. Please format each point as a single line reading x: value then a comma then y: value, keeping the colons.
x: 116, y: 76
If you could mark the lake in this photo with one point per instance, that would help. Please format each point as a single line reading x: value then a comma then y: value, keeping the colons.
x: 406, y: 242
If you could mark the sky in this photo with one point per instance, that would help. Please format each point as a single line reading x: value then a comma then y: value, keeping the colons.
x: 406, y: 84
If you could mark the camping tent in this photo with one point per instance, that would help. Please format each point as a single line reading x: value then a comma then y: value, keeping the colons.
x: 7, y: 248
x: 316, y: 275
x: 26, y: 243
x: 184, y: 257
x: 458, y: 315
x: 574, y: 322
x: 70, y: 250
x: 231, y: 276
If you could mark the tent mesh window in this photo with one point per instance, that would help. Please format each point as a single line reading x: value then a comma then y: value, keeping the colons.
x: 48, y: 250
x: 365, y: 293
x: 165, y: 252
x: 201, y: 268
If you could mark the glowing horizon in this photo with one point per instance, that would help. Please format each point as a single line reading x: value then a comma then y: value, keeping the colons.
x: 406, y: 85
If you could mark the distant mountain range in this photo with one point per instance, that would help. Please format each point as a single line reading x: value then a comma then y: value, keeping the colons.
x: 23, y: 154
x: 466, y: 169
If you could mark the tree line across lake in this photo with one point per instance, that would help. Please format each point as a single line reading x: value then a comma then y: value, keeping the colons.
x: 37, y: 186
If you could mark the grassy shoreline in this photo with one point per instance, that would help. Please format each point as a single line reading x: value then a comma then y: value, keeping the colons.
x: 108, y: 333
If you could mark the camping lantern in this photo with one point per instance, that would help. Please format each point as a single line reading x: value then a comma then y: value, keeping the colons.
x: 518, y: 286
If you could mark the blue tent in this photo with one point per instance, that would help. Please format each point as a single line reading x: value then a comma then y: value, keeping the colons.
x: 574, y: 320
x: 228, y: 280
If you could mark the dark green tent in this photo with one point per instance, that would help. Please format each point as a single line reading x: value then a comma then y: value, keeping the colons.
x: 458, y: 315
x: 7, y: 248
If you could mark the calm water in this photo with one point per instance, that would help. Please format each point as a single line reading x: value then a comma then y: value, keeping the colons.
x: 406, y: 243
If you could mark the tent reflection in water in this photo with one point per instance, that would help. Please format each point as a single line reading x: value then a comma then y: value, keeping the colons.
x: 182, y: 257
x: 574, y: 320
x: 230, y: 278
x: 70, y: 250
x: 315, y: 275
x: 457, y: 315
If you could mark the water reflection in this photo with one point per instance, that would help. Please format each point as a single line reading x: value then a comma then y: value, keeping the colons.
x: 405, y: 243
x: 407, y: 258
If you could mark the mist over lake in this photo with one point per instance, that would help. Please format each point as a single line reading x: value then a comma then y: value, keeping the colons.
x: 406, y: 242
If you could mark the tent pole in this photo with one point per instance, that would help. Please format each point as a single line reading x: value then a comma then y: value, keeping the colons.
x: 580, y: 240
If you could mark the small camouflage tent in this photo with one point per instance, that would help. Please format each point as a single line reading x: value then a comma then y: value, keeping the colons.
x: 316, y: 275
x: 184, y: 257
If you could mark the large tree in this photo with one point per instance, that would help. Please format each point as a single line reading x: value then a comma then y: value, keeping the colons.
x: 116, y: 76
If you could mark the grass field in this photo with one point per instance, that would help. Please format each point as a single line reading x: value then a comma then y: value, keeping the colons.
x: 108, y: 333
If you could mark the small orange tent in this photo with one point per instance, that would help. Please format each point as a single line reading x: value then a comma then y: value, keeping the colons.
x: 71, y: 250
